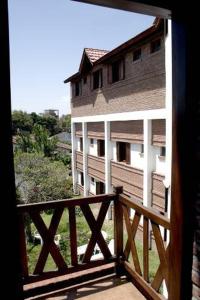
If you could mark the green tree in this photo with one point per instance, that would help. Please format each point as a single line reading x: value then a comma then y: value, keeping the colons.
x: 43, y: 143
x: 21, y: 121
x: 40, y: 179
x: 24, y: 143
x: 65, y: 123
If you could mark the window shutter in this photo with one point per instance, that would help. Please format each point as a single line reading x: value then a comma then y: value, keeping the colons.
x: 118, y: 150
x: 128, y: 153
x: 98, y: 148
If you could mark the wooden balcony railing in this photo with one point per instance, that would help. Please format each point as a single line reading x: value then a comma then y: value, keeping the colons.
x: 121, y: 257
x: 48, y: 234
x: 156, y: 221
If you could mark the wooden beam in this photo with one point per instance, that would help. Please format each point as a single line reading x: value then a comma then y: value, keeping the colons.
x: 153, y: 8
x: 10, y: 267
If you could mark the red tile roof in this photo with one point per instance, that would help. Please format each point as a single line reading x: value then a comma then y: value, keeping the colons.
x: 95, y: 54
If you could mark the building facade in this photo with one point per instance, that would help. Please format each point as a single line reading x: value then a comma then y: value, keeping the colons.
x: 121, y: 119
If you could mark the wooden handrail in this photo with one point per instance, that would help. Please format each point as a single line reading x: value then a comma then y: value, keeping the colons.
x: 48, y: 233
x: 148, y: 212
x: 151, y: 220
x: 22, y: 208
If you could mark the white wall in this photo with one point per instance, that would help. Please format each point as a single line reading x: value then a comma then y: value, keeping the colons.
x: 137, y: 160
x: 160, y: 166
x: 114, y: 148
x: 78, y: 144
x: 79, y: 177
x: 93, y: 148
x: 93, y: 186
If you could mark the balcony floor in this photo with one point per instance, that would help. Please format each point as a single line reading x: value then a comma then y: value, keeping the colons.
x: 111, y: 288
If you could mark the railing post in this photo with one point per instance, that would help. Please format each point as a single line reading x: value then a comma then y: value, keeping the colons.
x: 118, y: 229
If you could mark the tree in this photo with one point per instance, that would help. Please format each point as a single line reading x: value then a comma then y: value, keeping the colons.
x: 43, y: 143
x: 39, y: 179
x: 21, y: 121
x: 65, y: 123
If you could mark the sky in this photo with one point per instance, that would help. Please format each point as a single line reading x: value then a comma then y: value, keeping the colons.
x: 47, y: 38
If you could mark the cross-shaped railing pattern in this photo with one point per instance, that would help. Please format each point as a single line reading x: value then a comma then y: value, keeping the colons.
x: 126, y: 256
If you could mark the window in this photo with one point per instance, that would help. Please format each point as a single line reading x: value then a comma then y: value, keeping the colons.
x: 77, y: 88
x: 142, y: 148
x: 123, y: 152
x: 82, y: 179
x: 92, y: 179
x: 162, y: 151
x: 81, y: 144
x: 155, y: 45
x: 85, y: 79
x: 92, y: 142
x: 100, y: 188
x: 118, y: 70
x: 101, y: 148
x: 97, y: 79
x: 137, y: 54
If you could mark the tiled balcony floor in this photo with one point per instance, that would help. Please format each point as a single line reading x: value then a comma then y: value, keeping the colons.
x: 108, y: 288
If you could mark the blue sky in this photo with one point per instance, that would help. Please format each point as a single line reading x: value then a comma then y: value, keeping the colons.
x: 47, y: 38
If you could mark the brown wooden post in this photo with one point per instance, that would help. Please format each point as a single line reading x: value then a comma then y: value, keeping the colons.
x: 118, y: 228
x: 10, y: 266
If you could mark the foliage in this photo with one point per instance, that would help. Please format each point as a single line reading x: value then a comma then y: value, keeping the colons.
x: 43, y: 143
x: 65, y: 123
x: 24, y: 122
x: 66, y: 159
x: 40, y: 179
x: 24, y: 142
x: 21, y: 121
x: 38, y: 142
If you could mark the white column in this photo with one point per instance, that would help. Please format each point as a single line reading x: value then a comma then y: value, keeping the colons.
x: 148, y: 167
x: 168, y: 101
x: 74, y: 148
x: 85, y: 153
x: 148, y: 163
x: 168, y: 68
x: 108, y: 157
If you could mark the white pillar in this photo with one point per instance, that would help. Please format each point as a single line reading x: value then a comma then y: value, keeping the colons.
x: 168, y: 101
x: 85, y: 153
x: 148, y: 163
x: 108, y: 157
x: 148, y: 167
x: 168, y: 69
x: 74, y: 148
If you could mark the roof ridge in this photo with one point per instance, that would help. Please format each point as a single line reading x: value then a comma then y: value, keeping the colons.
x: 86, y: 48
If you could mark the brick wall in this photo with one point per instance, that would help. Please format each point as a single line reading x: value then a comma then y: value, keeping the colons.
x: 130, y: 178
x: 158, y: 132
x: 158, y: 192
x: 96, y: 167
x: 95, y: 130
x: 142, y: 89
x: 78, y: 129
x: 127, y: 131
x: 79, y: 161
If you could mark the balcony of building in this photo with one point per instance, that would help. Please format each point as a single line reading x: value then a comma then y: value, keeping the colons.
x: 114, y: 274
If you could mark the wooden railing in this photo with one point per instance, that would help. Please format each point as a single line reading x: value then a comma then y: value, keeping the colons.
x: 122, y: 258
x: 48, y: 234
x: 140, y: 274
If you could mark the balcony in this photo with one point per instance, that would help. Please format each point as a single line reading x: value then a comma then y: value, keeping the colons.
x: 122, y: 275
x: 79, y: 161
x: 96, y: 167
